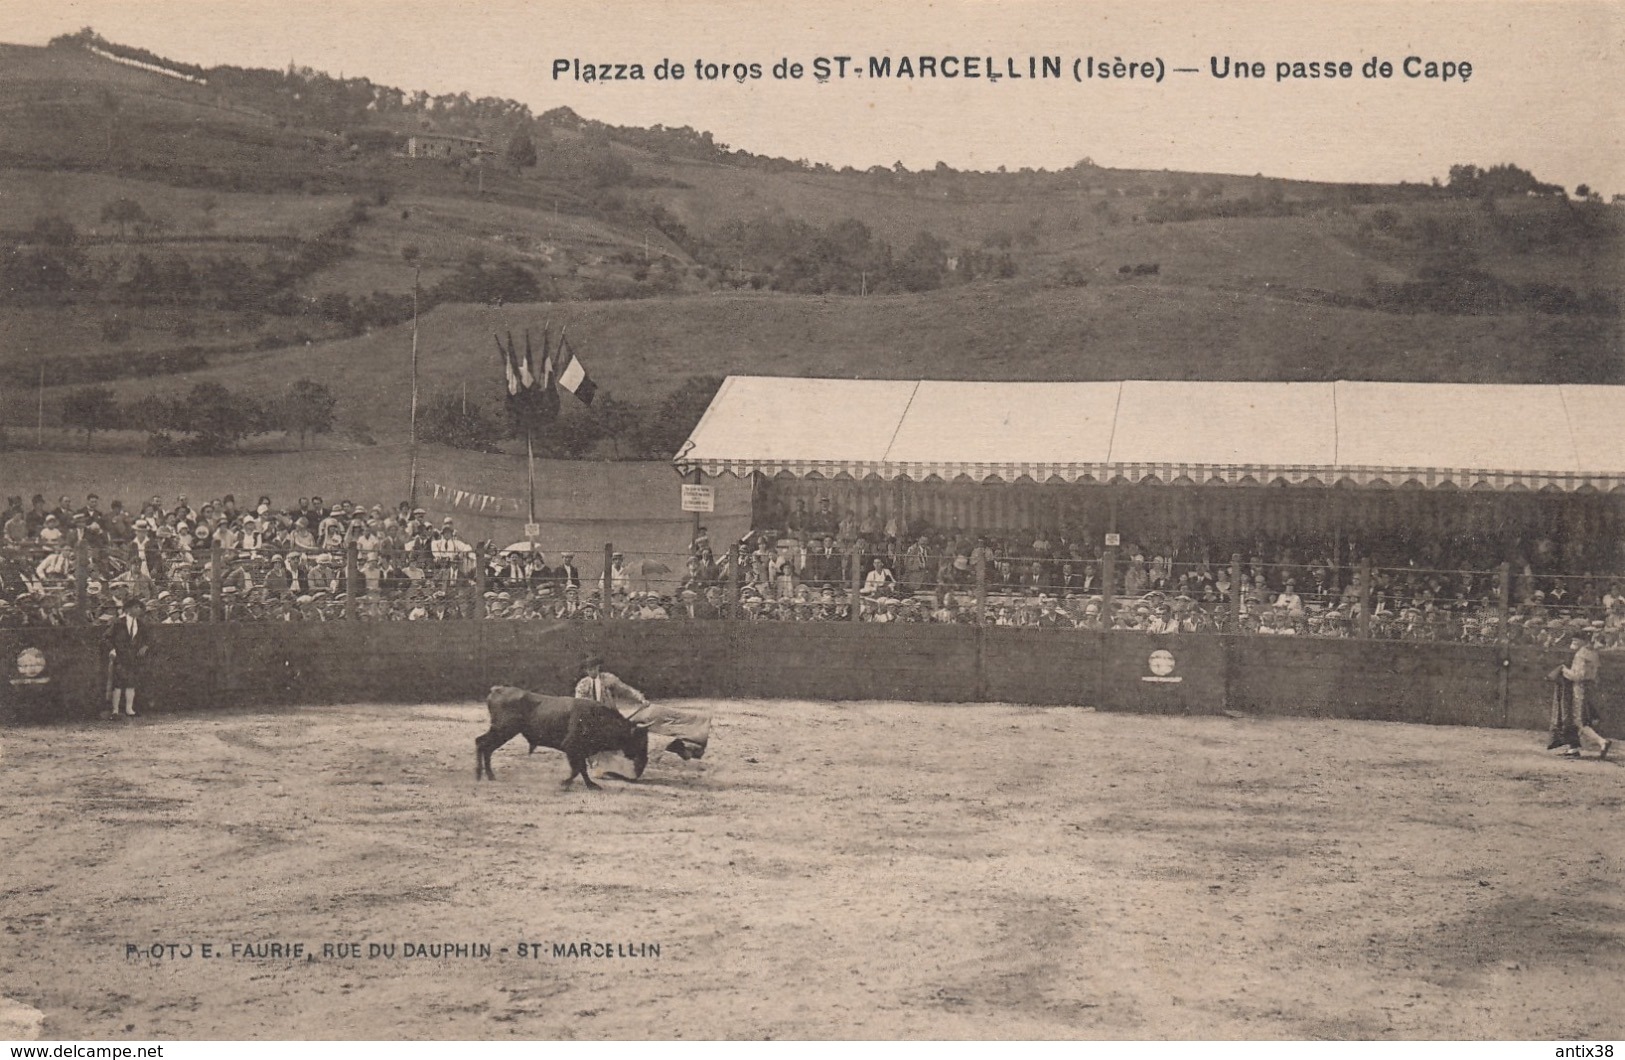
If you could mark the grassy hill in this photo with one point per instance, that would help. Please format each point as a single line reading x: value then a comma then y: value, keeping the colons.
x: 634, y: 240
x: 1114, y: 329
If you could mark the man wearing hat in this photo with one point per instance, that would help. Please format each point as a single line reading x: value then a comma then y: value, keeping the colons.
x: 567, y: 573
x: 127, y: 642
x: 689, y: 731
x: 1572, y: 726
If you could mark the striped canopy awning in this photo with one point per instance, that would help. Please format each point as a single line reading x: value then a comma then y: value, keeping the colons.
x: 1343, y: 434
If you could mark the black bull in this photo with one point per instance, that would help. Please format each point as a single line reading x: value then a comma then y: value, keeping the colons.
x: 580, y: 728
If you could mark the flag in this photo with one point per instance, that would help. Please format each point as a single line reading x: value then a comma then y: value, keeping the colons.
x: 545, y: 403
x: 531, y: 398
x: 574, y: 378
x: 527, y: 378
x: 508, y: 368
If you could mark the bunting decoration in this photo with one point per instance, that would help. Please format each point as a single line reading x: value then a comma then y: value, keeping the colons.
x: 476, y: 502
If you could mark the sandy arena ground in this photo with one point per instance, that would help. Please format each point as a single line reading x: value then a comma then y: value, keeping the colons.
x: 863, y: 870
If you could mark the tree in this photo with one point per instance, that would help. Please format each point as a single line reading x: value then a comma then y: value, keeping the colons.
x: 521, y: 151
x: 335, y: 306
x: 54, y: 231
x: 574, y: 434
x: 218, y: 418
x: 231, y: 281
x: 474, y: 282
x: 49, y: 265
x: 90, y: 409
x: 125, y: 213
x: 676, y: 416
x: 448, y: 420
x: 146, y: 283
x: 152, y: 414
x: 923, y: 264
x: 619, y: 423
x: 177, y: 283
x: 306, y: 408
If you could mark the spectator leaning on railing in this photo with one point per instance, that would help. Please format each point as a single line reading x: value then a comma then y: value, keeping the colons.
x: 272, y: 560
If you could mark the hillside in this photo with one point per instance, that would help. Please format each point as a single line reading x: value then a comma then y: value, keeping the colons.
x: 268, y: 226
x: 1109, y: 330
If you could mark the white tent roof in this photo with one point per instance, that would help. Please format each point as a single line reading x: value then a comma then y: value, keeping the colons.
x: 1381, y: 434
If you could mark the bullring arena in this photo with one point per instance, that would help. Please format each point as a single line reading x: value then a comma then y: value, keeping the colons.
x: 1213, y: 735
x: 866, y: 869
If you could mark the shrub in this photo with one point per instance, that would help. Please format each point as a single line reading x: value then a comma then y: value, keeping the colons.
x: 358, y: 431
x: 159, y: 443
x: 116, y: 329
x: 446, y: 419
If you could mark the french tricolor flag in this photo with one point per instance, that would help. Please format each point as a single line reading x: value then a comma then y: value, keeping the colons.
x: 574, y: 378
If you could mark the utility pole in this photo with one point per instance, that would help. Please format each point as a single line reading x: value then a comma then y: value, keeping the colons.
x: 417, y: 272
x: 39, y: 425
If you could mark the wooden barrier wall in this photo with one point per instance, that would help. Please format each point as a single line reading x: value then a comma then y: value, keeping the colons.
x: 203, y: 667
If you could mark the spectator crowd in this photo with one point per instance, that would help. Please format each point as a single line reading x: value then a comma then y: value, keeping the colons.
x: 292, y: 563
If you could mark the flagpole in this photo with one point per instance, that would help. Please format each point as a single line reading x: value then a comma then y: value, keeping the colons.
x: 530, y: 468
x: 416, y: 274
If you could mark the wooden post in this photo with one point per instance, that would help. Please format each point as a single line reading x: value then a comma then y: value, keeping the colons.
x: 733, y: 581
x: 81, y: 576
x: 1108, y: 585
x: 1235, y: 592
x: 352, y: 581
x: 479, y: 580
x: 856, y: 597
x: 609, y: 558
x: 695, y: 531
x: 1502, y: 636
x: 217, y: 578
x: 981, y: 589
x: 1362, y: 613
x: 1503, y: 578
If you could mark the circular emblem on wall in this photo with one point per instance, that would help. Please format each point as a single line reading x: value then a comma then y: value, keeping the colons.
x: 1161, y: 662
x: 31, y: 662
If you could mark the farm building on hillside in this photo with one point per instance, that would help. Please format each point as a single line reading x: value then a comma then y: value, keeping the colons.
x: 441, y: 145
x: 1172, y: 460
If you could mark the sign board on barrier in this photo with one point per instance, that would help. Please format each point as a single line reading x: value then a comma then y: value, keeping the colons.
x: 1113, y: 540
x: 699, y: 499
x: 1161, y: 664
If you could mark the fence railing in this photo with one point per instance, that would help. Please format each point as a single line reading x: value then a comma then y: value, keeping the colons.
x: 449, y: 579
